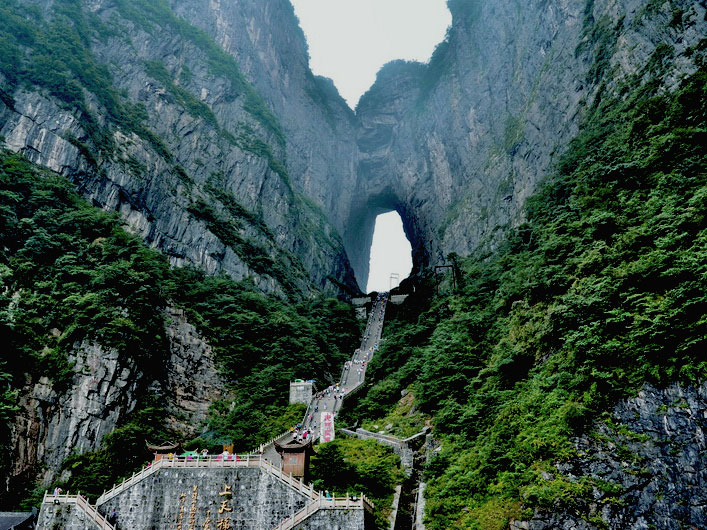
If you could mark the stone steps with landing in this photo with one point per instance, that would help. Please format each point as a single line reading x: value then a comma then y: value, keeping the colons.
x: 324, y: 503
x: 348, y: 382
x: 99, y: 522
x: 214, y: 462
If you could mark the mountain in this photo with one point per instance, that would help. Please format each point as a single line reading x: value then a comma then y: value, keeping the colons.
x: 181, y: 195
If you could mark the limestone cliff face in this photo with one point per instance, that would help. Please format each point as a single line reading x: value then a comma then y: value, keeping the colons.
x: 320, y: 128
x: 652, y: 454
x: 206, y: 179
x: 54, y: 423
x: 458, y: 145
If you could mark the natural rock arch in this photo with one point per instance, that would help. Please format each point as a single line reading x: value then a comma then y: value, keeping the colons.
x: 358, y: 233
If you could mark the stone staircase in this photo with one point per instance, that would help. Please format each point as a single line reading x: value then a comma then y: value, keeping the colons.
x: 82, y: 504
x: 324, y: 503
x: 349, y: 382
x: 220, y: 462
x: 262, y: 457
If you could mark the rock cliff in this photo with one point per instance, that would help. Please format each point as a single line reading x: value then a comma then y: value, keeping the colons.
x: 170, y: 134
x: 217, y: 145
x: 456, y: 146
x: 647, y: 463
x: 55, y: 422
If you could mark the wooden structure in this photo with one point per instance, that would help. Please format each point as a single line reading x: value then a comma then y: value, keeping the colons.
x: 295, y: 458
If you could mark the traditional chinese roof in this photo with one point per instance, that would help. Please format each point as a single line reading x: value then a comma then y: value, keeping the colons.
x: 166, y: 447
x: 293, y: 446
x: 9, y: 520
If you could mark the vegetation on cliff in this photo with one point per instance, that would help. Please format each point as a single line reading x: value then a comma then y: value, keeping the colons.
x: 53, y: 51
x: 70, y: 273
x: 601, y: 290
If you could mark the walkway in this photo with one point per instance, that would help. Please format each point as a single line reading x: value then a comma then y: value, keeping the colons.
x: 353, y: 375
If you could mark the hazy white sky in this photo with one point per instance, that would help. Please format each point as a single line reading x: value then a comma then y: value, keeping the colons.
x: 349, y: 40
x: 390, y: 252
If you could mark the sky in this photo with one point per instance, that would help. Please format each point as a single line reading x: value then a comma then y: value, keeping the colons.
x: 390, y: 252
x: 349, y: 41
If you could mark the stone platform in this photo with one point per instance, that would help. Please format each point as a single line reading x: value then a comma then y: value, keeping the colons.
x: 245, y: 493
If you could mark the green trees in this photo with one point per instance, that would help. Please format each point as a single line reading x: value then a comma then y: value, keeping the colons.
x: 70, y: 273
x: 601, y: 290
x: 353, y: 466
x: 263, y: 343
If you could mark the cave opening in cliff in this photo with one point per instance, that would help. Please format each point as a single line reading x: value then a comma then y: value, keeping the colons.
x: 391, y: 253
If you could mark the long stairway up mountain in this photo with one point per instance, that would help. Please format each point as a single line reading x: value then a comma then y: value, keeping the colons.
x: 353, y: 375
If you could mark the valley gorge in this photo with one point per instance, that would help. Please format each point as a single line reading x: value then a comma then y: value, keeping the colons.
x: 198, y: 128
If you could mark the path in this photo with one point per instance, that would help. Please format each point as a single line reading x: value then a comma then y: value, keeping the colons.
x: 353, y: 375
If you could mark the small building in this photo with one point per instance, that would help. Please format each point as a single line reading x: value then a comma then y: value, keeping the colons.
x: 301, y: 391
x: 361, y: 306
x: 295, y: 458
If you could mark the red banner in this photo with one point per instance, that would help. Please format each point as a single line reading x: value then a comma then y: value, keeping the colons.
x: 327, y: 427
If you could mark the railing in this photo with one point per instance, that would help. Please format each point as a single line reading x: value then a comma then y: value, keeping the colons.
x: 261, y: 448
x: 324, y: 503
x: 288, y: 479
x: 82, y: 504
x: 218, y: 461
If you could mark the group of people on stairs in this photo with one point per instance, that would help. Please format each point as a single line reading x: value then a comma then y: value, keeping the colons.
x: 353, y: 374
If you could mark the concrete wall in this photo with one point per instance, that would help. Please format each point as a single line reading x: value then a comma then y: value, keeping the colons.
x: 398, y: 298
x: 168, y: 497
x: 399, y: 447
x: 339, y: 519
x: 301, y: 392
x: 357, y: 302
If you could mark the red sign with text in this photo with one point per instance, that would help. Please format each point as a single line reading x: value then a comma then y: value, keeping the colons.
x: 327, y: 427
